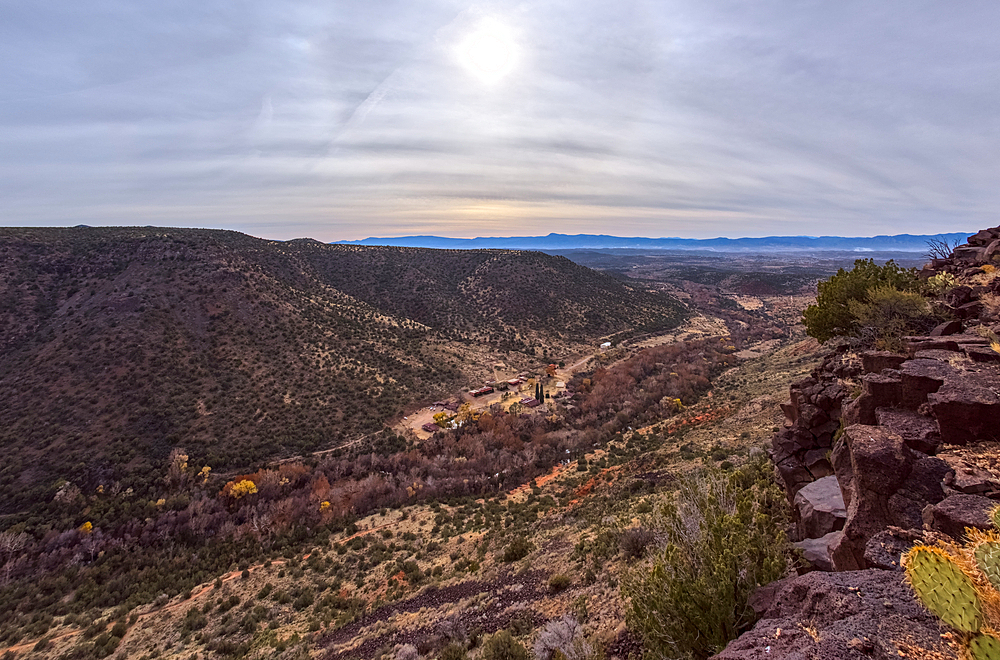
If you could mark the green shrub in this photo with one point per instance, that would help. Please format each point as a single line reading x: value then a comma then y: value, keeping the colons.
x: 559, y: 582
x: 724, y: 538
x: 503, y: 646
x: 453, y: 652
x: 831, y: 316
x: 887, y: 314
x: 517, y: 549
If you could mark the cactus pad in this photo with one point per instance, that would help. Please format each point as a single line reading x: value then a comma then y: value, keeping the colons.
x: 944, y: 588
x: 995, y: 517
x: 988, y: 561
x: 984, y: 647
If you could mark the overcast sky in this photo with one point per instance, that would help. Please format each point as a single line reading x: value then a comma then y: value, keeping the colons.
x: 344, y: 119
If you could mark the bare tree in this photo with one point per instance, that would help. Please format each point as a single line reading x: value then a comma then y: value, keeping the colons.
x: 940, y: 248
x: 10, y: 545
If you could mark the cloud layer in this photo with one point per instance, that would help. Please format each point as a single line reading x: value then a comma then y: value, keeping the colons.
x: 351, y: 119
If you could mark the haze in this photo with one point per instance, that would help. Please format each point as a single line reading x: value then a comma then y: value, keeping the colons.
x: 352, y: 119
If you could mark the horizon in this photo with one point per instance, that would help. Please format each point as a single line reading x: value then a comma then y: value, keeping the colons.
x: 447, y: 118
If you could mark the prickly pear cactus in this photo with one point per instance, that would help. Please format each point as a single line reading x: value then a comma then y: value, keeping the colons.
x: 944, y: 588
x: 988, y: 561
x: 984, y: 647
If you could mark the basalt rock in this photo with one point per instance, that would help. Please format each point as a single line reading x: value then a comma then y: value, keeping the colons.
x: 918, y: 431
x: 920, y: 378
x: 952, y: 515
x: 858, y: 615
x: 821, y: 508
x: 875, y: 361
x: 879, y: 464
x: 947, y: 328
x: 968, y: 408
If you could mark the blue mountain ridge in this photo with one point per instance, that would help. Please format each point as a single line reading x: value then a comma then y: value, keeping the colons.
x: 899, y: 242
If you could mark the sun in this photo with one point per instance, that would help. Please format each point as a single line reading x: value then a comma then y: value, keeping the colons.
x: 488, y: 53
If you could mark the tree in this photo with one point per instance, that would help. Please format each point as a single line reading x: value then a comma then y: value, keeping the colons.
x: 831, y: 316
x: 10, y: 545
x: 723, y: 539
x: 503, y: 646
x: 940, y: 248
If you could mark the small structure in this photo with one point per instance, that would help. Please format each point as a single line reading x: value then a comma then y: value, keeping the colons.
x: 606, y: 345
x: 481, y: 391
x: 530, y: 402
x: 431, y: 427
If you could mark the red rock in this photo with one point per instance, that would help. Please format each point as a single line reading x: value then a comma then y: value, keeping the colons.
x: 947, y: 328
x: 872, y: 362
x: 918, y: 432
x: 860, y: 410
x: 967, y: 408
x: 820, y: 508
x: 886, y: 391
x: 855, y: 616
x: 982, y: 354
x: 920, y: 378
x: 879, y: 464
x: 954, y: 514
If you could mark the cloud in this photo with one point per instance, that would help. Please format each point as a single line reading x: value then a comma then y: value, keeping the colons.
x: 349, y: 119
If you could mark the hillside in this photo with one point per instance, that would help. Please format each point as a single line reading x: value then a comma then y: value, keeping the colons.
x: 118, y: 345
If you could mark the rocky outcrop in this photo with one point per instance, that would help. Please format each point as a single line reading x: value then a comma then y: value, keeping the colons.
x: 885, y: 484
x: 957, y: 512
x: 827, y: 616
x: 887, y: 426
x: 820, y: 508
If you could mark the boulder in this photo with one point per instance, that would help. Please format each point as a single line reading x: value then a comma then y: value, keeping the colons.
x: 967, y: 408
x: 969, y: 310
x: 873, y: 362
x: 820, y: 508
x: 857, y: 615
x: 817, y: 551
x: 885, y: 390
x: 947, y: 328
x: 924, y: 485
x: 969, y: 254
x: 920, y: 378
x: 879, y: 464
x: 885, y: 548
x: 957, y: 296
x: 982, y: 354
x: 860, y: 410
x: 956, y: 512
x: 983, y: 237
x: 817, y: 461
x: 914, y: 344
x: 969, y: 479
x: 918, y: 432
x: 992, y: 250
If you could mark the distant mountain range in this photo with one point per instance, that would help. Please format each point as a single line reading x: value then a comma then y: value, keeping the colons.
x: 898, y: 243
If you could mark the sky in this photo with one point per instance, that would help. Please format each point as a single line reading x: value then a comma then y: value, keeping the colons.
x: 346, y: 119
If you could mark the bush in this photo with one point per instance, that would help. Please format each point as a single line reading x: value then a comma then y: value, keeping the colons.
x: 831, y: 316
x: 724, y: 538
x: 887, y: 314
x: 517, y: 549
x: 563, y: 637
x: 453, y: 652
x: 503, y: 646
x: 635, y: 541
x: 559, y: 582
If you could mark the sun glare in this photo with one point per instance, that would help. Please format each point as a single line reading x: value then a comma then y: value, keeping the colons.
x: 488, y: 52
